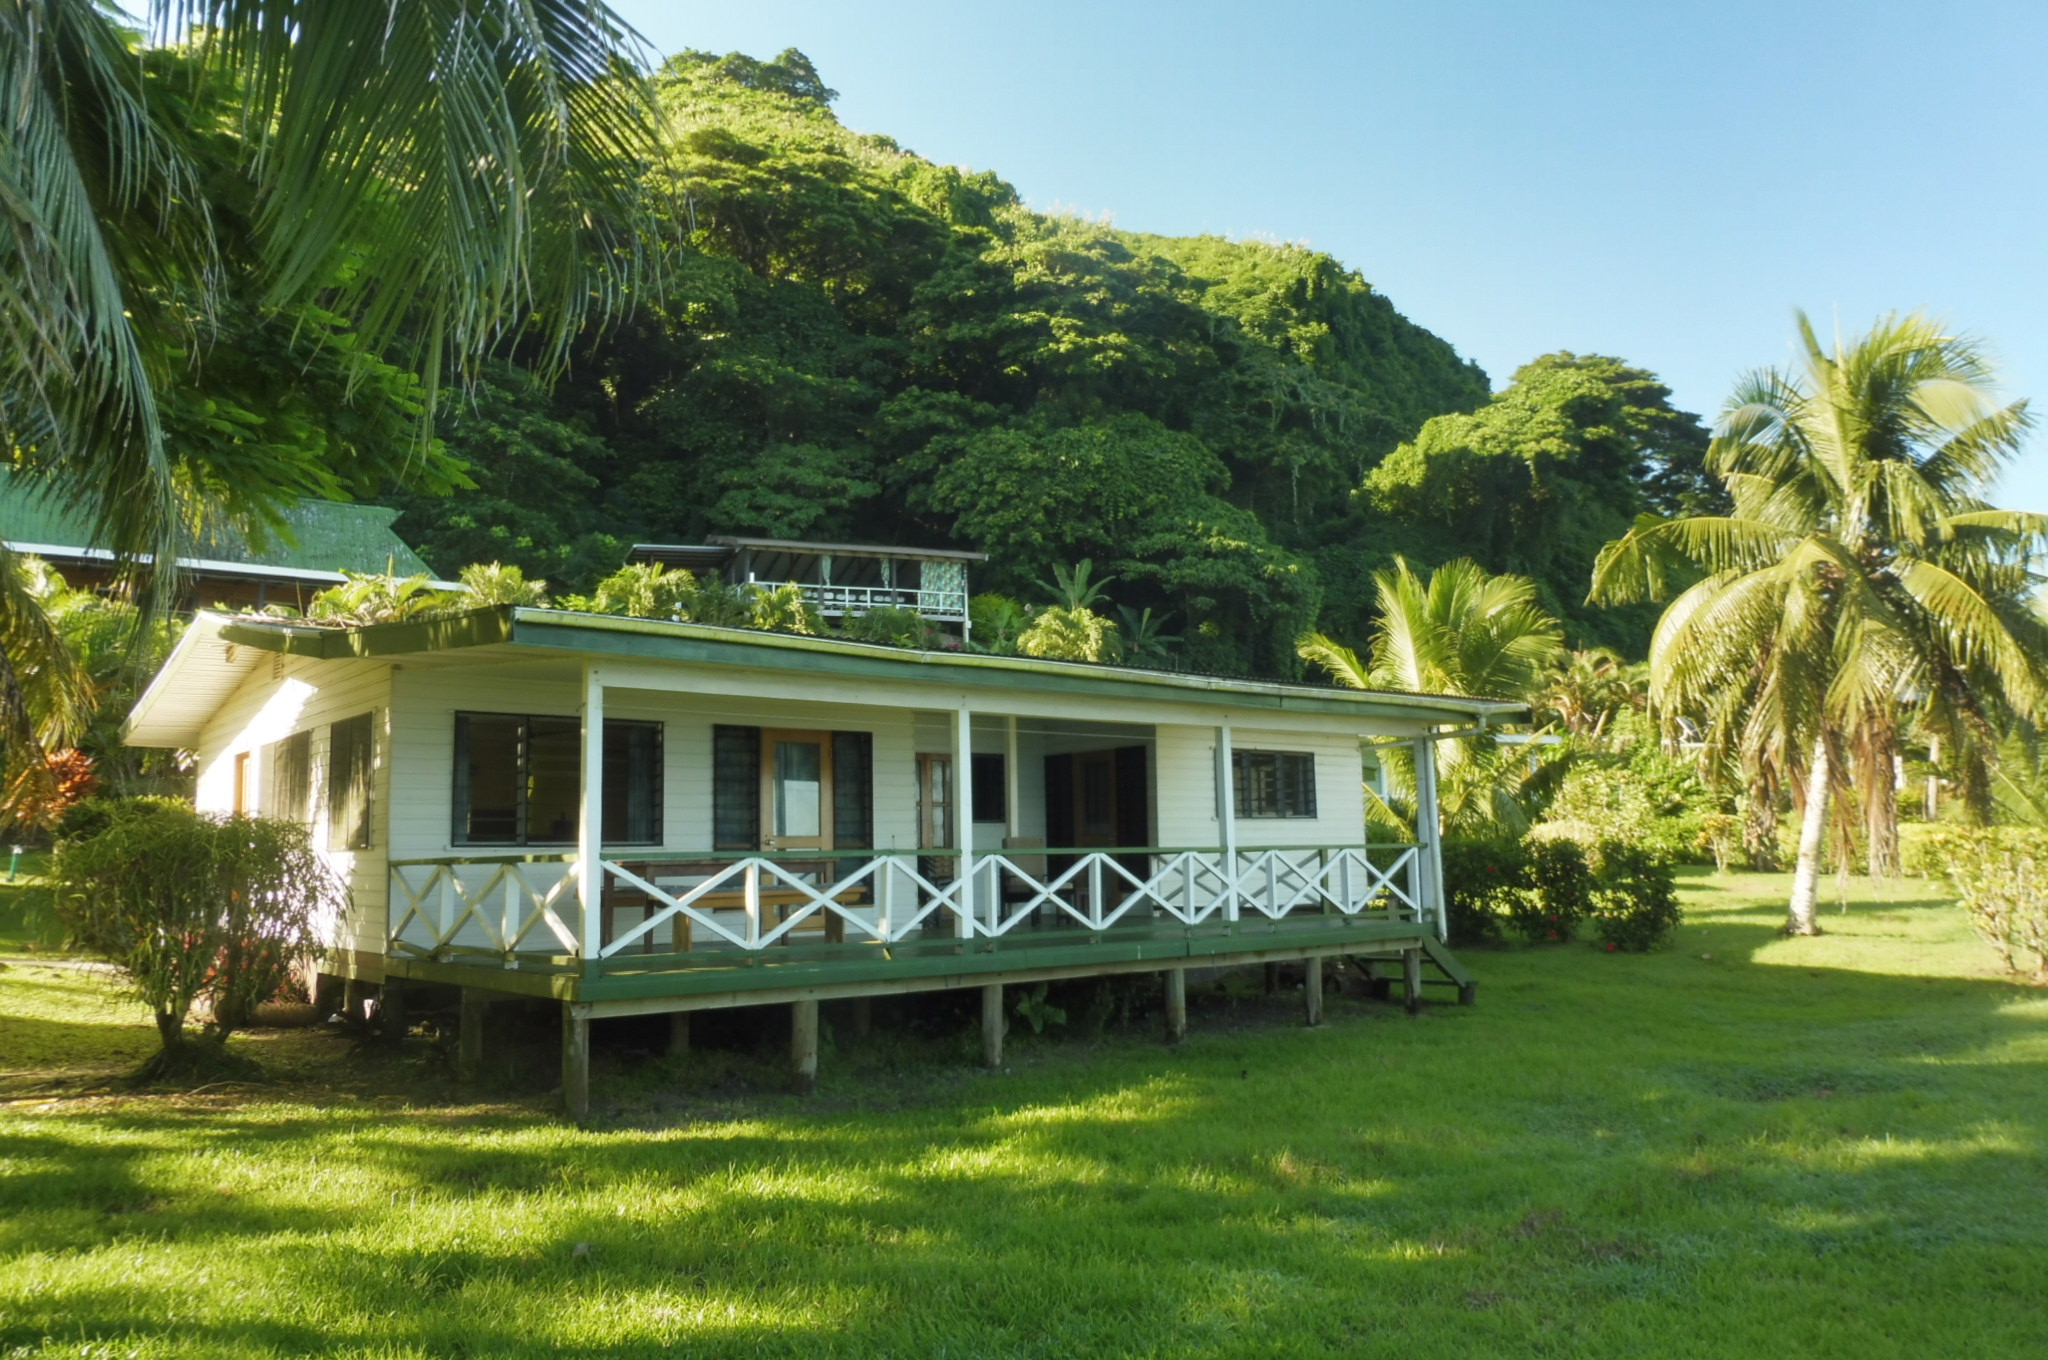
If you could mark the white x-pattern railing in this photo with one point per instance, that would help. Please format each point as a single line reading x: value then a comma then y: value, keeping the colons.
x: 757, y: 903
x: 506, y: 907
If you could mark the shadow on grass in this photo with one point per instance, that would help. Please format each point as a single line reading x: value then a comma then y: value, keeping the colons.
x: 1604, y: 1133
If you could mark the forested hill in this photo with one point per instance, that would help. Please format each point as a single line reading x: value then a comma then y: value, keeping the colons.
x: 852, y: 342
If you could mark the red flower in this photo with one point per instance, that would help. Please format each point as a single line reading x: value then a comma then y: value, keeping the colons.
x: 1611, y: 946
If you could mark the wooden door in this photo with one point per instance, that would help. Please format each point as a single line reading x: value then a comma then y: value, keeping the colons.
x: 796, y: 790
x: 1095, y: 800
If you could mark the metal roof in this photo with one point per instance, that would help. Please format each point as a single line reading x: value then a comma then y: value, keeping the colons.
x: 317, y: 541
x: 214, y: 653
x: 791, y: 545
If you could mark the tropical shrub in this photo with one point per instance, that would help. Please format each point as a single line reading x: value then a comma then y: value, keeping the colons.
x: 1559, y: 894
x: 995, y: 621
x: 191, y: 908
x: 889, y: 626
x: 1059, y: 633
x: 498, y: 583
x: 1634, y: 899
x: 777, y: 609
x: 2000, y: 876
x: 366, y: 599
x: 1483, y: 881
x: 1541, y: 890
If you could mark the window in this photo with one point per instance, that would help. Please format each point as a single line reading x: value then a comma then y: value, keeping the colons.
x: 735, y: 788
x: 853, y: 790
x: 519, y: 780
x: 991, y: 789
x: 291, y: 778
x: 1274, y: 783
x: 351, y: 752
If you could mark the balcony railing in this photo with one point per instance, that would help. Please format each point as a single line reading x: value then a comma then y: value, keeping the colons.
x: 516, y: 908
x: 947, y: 605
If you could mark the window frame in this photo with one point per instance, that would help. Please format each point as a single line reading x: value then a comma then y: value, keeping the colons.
x: 459, y: 805
x: 1293, y: 785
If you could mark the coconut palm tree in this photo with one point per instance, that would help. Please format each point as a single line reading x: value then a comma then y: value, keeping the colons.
x: 1860, y: 586
x: 433, y: 176
x: 1461, y: 632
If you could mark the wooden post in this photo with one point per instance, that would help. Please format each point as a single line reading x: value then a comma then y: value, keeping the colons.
x: 1312, y: 992
x: 590, y: 824
x: 803, y: 1047
x: 469, y: 1034
x: 352, y: 999
x: 963, y: 816
x: 992, y: 1025
x: 678, y: 1032
x: 392, y: 1018
x: 1411, y: 978
x: 1176, y: 1005
x: 1226, y: 818
x: 1429, y: 853
x: 575, y: 1063
x: 1012, y: 783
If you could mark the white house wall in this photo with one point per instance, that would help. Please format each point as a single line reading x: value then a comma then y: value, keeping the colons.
x: 429, y: 699
x: 295, y: 694
x: 1185, y: 788
x: 415, y: 709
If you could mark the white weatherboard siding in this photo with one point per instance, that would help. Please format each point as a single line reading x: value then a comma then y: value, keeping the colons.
x: 415, y: 708
x: 428, y: 700
x: 1185, y: 787
x: 285, y: 695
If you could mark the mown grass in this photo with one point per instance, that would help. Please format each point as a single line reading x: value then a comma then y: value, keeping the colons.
x: 1741, y: 1146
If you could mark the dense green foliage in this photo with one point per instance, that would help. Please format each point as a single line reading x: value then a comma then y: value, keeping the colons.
x: 852, y: 342
x: 1539, y: 479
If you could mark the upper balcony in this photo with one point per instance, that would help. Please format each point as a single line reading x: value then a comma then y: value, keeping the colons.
x: 837, y: 579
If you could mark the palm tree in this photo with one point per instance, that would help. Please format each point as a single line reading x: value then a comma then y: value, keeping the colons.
x: 1462, y: 632
x: 1587, y: 690
x: 438, y: 175
x: 1860, y: 585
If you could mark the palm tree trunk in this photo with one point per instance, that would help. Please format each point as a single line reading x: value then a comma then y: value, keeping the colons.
x: 1813, y: 825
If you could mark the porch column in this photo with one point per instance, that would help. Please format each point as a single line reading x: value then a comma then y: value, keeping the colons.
x: 1226, y: 817
x: 963, y: 815
x: 1011, y: 782
x: 1429, y: 856
x: 590, y: 824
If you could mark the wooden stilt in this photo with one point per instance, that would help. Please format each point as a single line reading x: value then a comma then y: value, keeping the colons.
x: 1411, y: 978
x: 469, y: 1033
x: 352, y: 994
x: 575, y: 1064
x: 992, y: 1025
x: 1176, y: 1005
x: 393, y: 1019
x: 679, y: 1032
x: 803, y: 1047
x: 861, y: 1021
x: 1312, y: 992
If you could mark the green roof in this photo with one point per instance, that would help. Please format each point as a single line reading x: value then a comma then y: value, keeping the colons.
x: 317, y: 536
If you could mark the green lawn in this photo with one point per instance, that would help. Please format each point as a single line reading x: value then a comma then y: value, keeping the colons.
x: 1742, y: 1146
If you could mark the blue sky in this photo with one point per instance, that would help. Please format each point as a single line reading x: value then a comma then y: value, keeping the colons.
x: 1662, y: 181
